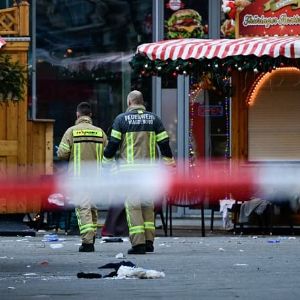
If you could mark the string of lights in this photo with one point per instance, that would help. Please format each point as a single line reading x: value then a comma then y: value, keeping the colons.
x: 216, y: 68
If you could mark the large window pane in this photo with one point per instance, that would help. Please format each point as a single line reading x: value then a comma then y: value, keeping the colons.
x: 83, y: 53
x: 6, y: 3
x: 209, y: 120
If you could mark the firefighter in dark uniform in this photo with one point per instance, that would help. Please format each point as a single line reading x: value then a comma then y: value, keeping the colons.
x: 83, y: 145
x: 136, y: 133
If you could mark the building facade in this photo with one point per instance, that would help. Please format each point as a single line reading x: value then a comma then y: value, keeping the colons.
x: 81, y: 51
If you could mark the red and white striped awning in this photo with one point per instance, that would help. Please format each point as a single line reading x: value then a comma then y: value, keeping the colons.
x: 221, y: 48
x: 2, y: 42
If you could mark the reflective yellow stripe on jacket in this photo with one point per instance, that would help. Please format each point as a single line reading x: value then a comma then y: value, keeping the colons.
x: 161, y: 136
x: 64, y: 146
x: 129, y: 147
x: 116, y: 134
x: 87, y: 132
x: 77, y: 159
x: 152, y: 144
x: 99, y: 153
x: 86, y: 136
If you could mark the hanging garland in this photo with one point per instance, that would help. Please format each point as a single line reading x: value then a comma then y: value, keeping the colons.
x: 227, y: 124
x: 12, y: 79
x: 216, y: 68
x: 199, y: 84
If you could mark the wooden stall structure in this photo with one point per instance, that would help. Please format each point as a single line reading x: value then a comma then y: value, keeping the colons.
x: 26, y: 146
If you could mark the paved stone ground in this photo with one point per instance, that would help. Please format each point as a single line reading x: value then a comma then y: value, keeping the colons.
x: 219, y: 266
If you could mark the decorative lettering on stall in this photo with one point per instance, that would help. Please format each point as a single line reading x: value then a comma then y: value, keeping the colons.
x: 274, y: 5
x: 267, y: 22
x: 270, y: 18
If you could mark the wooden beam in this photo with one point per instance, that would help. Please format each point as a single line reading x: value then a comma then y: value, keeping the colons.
x: 8, y: 148
x: 49, y: 149
x: 24, y: 18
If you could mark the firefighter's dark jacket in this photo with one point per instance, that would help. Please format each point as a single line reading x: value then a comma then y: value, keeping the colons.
x: 135, y: 134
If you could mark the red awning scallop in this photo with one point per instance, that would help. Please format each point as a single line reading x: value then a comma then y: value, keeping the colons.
x: 209, y: 48
x: 2, y: 42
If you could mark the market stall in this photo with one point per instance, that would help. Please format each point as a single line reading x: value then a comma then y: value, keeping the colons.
x: 252, y: 82
x: 248, y: 61
x: 26, y: 145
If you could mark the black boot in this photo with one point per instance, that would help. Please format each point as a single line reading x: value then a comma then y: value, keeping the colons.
x: 87, y: 248
x: 138, y: 249
x: 149, y: 246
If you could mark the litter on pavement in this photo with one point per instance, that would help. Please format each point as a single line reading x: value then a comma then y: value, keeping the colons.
x: 124, y: 270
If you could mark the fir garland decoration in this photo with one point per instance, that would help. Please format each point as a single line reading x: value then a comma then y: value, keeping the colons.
x: 12, y: 79
x: 217, y: 68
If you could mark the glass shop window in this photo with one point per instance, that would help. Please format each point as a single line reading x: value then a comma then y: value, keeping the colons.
x: 6, y: 3
x: 209, y: 119
x: 169, y: 108
x: 83, y: 53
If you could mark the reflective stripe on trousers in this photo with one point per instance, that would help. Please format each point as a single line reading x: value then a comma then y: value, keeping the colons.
x: 140, y: 219
x: 87, y: 222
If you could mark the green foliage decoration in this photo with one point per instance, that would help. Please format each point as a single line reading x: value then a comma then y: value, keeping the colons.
x: 12, y: 79
x: 217, y: 69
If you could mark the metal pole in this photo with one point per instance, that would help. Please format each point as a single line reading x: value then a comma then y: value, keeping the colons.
x: 158, y: 20
x: 156, y: 95
x: 33, y: 62
x: 180, y: 117
x: 186, y: 118
x: 207, y: 126
x: 158, y: 34
x: 214, y: 17
x: 126, y: 79
x: 183, y: 121
x: 230, y: 122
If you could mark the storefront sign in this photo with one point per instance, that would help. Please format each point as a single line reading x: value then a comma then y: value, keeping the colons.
x: 175, y: 4
x: 210, y: 110
x: 272, y: 17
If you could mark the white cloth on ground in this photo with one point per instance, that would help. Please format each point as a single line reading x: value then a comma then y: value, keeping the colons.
x: 225, y: 205
x: 141, y: 273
